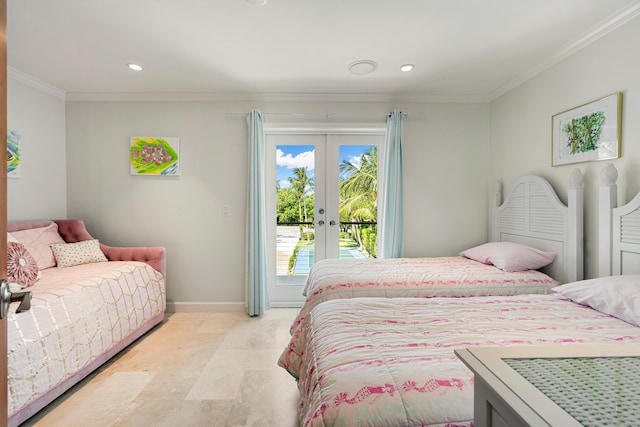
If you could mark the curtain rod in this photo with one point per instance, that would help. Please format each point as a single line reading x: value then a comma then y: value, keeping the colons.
x: 327, y: 116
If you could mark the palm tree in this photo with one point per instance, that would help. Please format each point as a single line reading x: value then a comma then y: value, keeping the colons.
x: 359, y: 190
x: 301, y: 183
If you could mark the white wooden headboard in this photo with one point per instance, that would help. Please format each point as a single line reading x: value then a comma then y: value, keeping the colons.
x: 619, y: 229
x: 533, y: 215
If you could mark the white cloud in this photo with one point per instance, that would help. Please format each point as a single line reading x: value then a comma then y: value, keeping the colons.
x: 356, y: 161
x: 284, y: 183
x: 302, y: 160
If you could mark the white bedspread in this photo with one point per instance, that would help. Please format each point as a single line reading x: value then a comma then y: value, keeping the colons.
x: 77, y: 313
x: 390, y: 362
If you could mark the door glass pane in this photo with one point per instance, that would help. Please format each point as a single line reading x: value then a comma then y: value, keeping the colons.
x: 358, y: 201
x: 295, y: 197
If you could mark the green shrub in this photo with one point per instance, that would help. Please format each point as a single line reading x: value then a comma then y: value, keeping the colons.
x: 309, y: 235
x: 292, y: 258
x: 369, y: 237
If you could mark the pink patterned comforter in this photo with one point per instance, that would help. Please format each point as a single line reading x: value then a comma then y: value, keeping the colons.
x: 390, y: 362
x: 407, y: 277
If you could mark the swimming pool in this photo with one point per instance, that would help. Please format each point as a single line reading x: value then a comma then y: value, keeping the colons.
x: 306, y: 258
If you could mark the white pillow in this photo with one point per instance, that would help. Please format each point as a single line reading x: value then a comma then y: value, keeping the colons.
x: 510, y: 256
x: 84, y: 252
x: 617, y: 296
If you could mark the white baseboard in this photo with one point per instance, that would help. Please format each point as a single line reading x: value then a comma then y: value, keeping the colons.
x: 206, y: 307
x: 286, y: 304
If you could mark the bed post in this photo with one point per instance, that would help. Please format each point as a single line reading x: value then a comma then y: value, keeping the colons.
x: 575, y: 233
x: 607, y: 202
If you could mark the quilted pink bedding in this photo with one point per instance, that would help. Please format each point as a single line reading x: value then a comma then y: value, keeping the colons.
x: 79, y: 317
x: 390, y: 362
x: 407, y: 277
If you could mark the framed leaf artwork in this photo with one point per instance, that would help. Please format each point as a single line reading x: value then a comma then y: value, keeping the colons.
x: 588, y: 132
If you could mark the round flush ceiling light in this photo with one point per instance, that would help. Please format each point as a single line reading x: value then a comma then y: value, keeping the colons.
x: 257, y: 2
x: 134, y: 67
x: 407, y: 67
x: 364, y: 66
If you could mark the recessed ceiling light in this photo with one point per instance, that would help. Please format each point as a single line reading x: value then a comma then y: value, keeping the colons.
x: 134, y: 67
x: 407, y: 67
x: 364, y: 66
x: 257, y: 2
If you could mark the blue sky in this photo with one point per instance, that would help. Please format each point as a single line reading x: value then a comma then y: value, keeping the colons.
x: 289, y: 157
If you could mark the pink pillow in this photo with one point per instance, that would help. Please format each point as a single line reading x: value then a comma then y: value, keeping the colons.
x: 21, y: 267
x: 37, y: 241
x: 509, y: 256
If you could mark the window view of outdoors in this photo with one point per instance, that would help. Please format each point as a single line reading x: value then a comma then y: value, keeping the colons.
x: 295, y: 207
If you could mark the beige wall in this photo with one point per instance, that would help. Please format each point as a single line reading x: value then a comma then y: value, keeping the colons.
x: 445, y: 150
x: 520, y: 124
x: 41, y: 190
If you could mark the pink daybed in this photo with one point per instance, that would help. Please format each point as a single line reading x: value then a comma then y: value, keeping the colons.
x: 80, y: 317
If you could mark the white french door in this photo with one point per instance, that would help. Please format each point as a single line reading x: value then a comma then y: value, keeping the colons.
x: 308, y: 217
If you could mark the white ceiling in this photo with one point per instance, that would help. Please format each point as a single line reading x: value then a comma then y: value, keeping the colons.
x: 473, y: 49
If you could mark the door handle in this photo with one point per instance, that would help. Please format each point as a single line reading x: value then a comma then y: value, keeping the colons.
x: 332, y: 223
x: 5, y: 298
x: 321, y: 223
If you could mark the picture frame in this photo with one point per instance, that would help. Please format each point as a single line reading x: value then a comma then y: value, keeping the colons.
x: 14, y: 154
x: 158, y: 156
x: 589, y: 132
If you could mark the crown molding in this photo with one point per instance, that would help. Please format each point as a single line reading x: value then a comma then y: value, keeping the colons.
x: 35, y: 83
x: 269, y: 97
x: 156, y: 96
x: 599, y: 31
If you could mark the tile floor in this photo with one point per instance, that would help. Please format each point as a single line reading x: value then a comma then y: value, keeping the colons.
x: 195, y: 369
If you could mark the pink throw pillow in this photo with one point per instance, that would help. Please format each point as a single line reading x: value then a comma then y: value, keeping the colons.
x: 510, y: 256
x: 37, y: 241
x: 21, y: 267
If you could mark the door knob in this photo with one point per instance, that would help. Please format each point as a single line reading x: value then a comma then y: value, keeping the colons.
x: 332, y: 222
x: 5, y: 298
x: 321, y: 222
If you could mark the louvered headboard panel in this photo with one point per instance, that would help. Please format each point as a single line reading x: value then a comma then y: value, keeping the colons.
x: 626, y: 249
x: 532, y: 214
x: 619, y: 229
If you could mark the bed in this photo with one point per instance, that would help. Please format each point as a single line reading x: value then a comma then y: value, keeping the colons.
x: 531, y: 217
x: 390, y: 361
x: 89, y: 302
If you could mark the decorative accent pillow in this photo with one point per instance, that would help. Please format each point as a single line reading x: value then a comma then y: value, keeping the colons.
x: 37, y: 241
x: 617, y: 296
x: 70, y: 254
x: 510, y: 256
x: 21, y: 267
